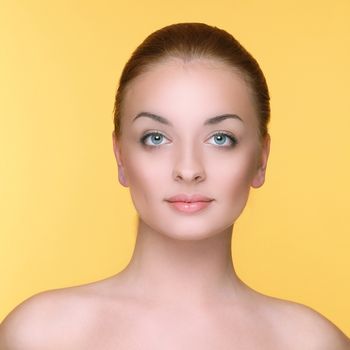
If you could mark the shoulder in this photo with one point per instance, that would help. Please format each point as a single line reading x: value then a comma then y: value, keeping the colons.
x: 46, y: 320
x: 304, y: 328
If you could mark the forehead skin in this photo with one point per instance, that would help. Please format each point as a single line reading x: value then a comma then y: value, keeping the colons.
x: 189, y: 92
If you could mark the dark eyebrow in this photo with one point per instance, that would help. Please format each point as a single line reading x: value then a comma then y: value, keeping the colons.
x: 220, y: 118
x: 210, y: 121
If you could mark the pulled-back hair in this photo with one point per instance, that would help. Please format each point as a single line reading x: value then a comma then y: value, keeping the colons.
x: 189, y: 41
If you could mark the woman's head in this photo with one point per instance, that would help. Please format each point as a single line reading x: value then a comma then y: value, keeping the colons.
x: 188, y: 41
x: 189, y: 126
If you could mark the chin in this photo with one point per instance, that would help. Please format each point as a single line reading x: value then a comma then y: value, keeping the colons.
x: 190, y: 227
x: 191, y: 231
x: 188, y: 236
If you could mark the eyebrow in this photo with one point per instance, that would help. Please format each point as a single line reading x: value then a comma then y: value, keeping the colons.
x: 210, y: 121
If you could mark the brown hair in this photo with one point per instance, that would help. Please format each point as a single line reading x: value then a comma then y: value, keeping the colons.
x: 195, y: 40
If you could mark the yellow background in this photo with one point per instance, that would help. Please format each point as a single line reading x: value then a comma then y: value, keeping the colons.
x: 65, y: 220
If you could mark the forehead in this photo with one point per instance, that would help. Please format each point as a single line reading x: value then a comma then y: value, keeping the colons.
x: 193, y: 90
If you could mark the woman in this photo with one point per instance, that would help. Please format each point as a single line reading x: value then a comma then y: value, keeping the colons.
x: 190, y: 140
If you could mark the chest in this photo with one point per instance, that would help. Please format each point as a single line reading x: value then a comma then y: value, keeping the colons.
x: 185, y: 332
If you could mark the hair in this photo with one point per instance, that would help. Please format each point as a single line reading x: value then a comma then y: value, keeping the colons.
x: 190, y: 41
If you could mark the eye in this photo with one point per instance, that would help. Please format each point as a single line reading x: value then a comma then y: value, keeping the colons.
x: 224, y: 139
x: 155, y: 139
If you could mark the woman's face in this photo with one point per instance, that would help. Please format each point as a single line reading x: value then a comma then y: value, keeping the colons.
x: 178, y: 147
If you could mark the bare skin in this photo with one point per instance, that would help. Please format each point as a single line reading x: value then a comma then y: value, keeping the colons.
x: 180, y: 289
x: 107, y: 315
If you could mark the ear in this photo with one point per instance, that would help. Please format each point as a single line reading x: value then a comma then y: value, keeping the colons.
x: 117, y: 153
x: 259, y: 177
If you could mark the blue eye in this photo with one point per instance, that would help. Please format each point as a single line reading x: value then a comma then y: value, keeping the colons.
x: 222, y: 138
x: 155, y: 137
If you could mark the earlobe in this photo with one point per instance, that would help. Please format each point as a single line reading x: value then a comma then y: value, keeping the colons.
x: 259, y: 177
x: 117, y: 153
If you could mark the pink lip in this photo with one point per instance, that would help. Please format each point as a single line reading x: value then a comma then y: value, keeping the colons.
x: 189, y: 207
x: 189, y: 203
x: 189, y: 198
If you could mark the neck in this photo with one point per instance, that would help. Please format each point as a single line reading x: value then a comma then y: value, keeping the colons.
x: 166, y: 269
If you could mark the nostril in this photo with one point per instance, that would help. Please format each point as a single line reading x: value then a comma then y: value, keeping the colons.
x: 188, y: 175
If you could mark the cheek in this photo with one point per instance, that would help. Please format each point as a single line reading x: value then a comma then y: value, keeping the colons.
x: 234, y: 172
x: 232, y: 180
x: 145, y: 178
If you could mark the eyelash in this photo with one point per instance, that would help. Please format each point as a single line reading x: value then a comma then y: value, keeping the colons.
x: 232, y: 139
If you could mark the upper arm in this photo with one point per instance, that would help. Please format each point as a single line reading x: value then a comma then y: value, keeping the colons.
x: 21, y: 328
x: 336, y: 342
x: 327, y: 336
x: 47, y: 320
x: 316, y: 332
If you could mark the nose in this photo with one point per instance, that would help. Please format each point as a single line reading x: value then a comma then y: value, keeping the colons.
x: 188, y: 166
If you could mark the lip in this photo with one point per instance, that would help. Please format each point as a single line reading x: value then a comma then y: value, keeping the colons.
x: 189, y: 207
x: 189, y: 203
x: 182, y: 197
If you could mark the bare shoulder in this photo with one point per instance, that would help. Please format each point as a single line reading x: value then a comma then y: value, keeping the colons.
x: 304, y: 328
x: 47, y: 320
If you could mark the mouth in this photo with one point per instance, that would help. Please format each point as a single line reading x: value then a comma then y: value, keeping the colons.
x: 185, y: 198
x: 189, y: 203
